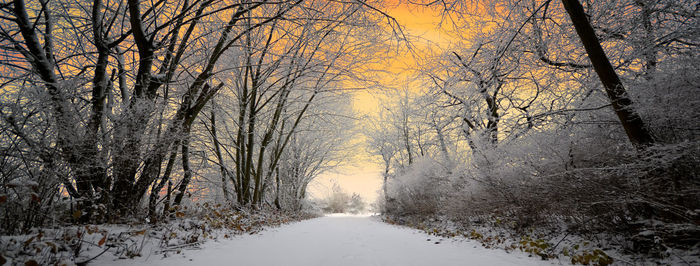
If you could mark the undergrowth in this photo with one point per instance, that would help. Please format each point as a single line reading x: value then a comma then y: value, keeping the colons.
x: 188, y: 228
x: 547, y: 244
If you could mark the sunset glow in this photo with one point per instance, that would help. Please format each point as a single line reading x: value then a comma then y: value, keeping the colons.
x: 423, y: 27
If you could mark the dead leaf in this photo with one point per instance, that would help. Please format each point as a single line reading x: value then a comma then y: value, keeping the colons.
x: 31, y: 263
x: 102, y: 241
x: 29, y: 241
x: 3, y: 199
x: 77, y: 214
x: 54, y: 249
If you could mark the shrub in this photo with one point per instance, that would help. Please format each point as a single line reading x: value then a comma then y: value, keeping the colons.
x: 340, y: 201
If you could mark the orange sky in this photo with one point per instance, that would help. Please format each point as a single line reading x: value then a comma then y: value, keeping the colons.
x: 362, y: 175
x: 422, y: 27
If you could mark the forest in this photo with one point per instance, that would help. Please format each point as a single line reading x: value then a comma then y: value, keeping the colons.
x: 542, y: 122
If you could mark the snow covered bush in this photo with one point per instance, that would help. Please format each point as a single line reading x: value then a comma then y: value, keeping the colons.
x: 357, y: 204
x: 581, y: 179
x: 669, y: 101
x: 340, y: 201
x: 417, y: 189
x: 529, y: 176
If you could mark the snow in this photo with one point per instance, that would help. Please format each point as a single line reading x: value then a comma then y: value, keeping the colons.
x: 18, y: 182
x: 337, y: 240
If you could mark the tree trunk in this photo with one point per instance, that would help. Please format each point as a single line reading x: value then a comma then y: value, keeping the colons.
x: 443, y: 146
x: 166, y: 206
x: 636, y: 131
x: 407, y: 143
x: 153, y: 197
x: 492, y: 124
x: 185, y: 168
x: 649, y: 39
x: 217, y: 150
x: 277, y: 189
x: 384, y: 184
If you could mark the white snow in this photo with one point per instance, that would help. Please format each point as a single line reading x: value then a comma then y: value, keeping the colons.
x: 337, y: 240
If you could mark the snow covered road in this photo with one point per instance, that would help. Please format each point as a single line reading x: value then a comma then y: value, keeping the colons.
x: 338, y: 240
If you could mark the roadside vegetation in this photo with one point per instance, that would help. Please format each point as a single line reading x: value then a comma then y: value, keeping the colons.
x: 559, y: 128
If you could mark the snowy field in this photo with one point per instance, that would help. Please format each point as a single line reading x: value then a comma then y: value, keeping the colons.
x: 337, y: 240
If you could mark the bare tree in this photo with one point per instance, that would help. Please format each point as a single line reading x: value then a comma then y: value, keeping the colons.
x: 286, y: 67
x: 317, y: 146
x: 115, y: 146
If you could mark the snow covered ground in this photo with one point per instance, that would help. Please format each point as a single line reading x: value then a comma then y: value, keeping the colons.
x: 337, y: 240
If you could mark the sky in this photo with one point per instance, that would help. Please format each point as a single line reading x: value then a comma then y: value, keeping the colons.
x: 363, y: 174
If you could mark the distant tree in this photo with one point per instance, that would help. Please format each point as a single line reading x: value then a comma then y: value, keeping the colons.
x: 319, y: 145
x: 337, y: 201
x: 357, y: 204
x: 288, y: 69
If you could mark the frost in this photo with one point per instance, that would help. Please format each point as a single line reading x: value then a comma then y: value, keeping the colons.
x: 20, y: 182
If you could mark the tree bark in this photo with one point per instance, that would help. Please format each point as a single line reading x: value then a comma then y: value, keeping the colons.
x: 182, y: 189
x: 277, y: 189
x: 633, y: 124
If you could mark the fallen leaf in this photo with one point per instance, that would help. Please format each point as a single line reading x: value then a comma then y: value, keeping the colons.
x: 26, y: 243
x: 102, y: 241
x: 54, y: 249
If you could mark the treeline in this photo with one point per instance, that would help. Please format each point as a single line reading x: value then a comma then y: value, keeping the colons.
x: 111, y: 106
x: 577, y: 116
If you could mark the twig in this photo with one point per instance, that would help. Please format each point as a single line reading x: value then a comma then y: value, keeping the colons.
x: 82, y: 263
x: 562, y: 239
x: 175, y: 248
x: 670, y: 250
x: 142, y: 240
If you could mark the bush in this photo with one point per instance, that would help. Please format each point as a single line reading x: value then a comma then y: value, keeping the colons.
x: 582, y: 179
x: 340, y: 201
x: 417, y: 189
